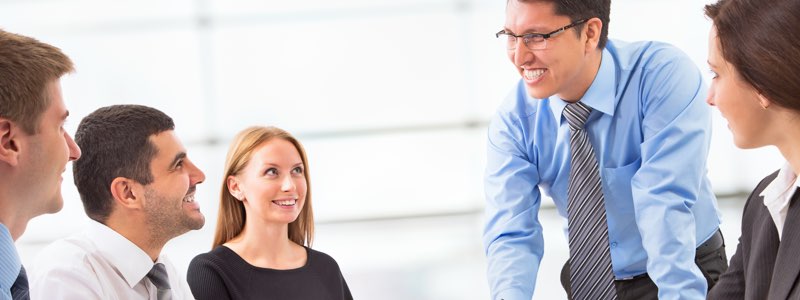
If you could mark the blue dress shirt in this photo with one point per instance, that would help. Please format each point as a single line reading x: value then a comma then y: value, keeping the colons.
x: 650, y: 129
x: 9, y: 263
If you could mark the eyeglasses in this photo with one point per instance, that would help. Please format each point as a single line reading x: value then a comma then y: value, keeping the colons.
x: 534, y: 41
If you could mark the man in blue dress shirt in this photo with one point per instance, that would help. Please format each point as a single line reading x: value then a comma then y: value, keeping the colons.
x: 650, y: 130
x: 34, y: 148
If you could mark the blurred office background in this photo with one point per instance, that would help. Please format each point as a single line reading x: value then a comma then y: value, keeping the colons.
x: 390, y: 98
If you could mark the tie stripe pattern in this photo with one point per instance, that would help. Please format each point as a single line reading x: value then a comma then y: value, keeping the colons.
x: 20, y: 291
x: 591, y: 276
x: 158, y: 276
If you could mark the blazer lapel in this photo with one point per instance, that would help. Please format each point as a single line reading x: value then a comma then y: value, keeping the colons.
x: 787, y: 264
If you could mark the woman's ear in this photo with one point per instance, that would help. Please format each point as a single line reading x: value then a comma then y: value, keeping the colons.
x: 763, y: 101
x: 125, y: 193
x: 234, y: 188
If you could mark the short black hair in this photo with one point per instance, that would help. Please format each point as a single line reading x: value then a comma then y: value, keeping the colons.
x: 115, y: 142
x: 578, y: 10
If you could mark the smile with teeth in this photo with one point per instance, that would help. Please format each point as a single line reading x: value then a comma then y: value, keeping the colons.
x: 289, y: 202
x: 189, y: 198
x: 532, y: 73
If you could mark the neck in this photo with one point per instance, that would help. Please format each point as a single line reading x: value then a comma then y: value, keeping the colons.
x: 583, y: 80
x: 139, y: 235
x: 14, y: 217
x: 266, y: 245
x: 789, y: 130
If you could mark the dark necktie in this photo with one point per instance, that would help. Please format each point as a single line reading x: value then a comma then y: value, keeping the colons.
x: 158, y: 276
x: 19, y: 290
x: 591, y: 276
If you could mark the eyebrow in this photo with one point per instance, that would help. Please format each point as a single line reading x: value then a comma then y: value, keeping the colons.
x: 277, y: 165
x: 178, y: 157
x: 711, y: 64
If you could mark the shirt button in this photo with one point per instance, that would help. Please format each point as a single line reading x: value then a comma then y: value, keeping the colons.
x: 614, y: 245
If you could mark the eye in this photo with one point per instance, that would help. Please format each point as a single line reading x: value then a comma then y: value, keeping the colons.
x: 297, y: 170
x: 714, y: 75
x: 271, y: 172
x: 179, y: 164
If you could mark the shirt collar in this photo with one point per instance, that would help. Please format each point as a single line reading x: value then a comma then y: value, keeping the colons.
x: 786, y: 181
x: 131, y: 261
x: 10, y: 263
x: 597, y: 96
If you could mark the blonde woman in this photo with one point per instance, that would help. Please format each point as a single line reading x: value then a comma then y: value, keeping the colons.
x: 265, y: 227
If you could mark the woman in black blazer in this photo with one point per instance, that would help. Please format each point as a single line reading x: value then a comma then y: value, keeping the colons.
x: 754, y: 55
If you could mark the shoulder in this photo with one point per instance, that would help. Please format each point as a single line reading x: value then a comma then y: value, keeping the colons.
x: 646, y: 54
x: 216, y: 258
x: 69, y: 263
x: 73, y: 252
x: 320, y: 260
x: 517, y: 104
x: 755, y: 195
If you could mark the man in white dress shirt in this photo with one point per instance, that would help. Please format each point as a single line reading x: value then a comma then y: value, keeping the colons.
x: 137, y: 185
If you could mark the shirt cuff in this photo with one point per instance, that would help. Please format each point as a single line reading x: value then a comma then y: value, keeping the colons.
x: 512, y: 294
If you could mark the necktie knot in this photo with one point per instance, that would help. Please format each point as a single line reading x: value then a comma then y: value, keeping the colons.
x: 577, y: 113
x: 158, y: 276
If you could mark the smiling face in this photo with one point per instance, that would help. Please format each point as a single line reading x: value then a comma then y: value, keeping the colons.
x: 49, y: 150
x: 737, y: 101
x: 170, y: 206
x: 565, y: 67
x: 272, y: 186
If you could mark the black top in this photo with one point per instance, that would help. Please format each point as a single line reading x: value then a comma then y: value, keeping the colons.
x: 223, y: 274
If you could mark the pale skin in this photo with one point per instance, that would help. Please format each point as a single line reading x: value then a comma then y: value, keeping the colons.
x: 753, y: 119
x: 31, y: 164
x: 570, y: 62
x: 274, y: 173
x: 174, y: 179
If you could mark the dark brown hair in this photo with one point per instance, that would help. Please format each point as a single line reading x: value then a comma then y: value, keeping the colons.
x: 26, y: 67
x: 762, y: 42
x: 232, y: 217
x: 578, y: 10
x: 115, y: 142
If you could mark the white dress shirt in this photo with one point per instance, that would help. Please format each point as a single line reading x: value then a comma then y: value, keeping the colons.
x: 99, y: 263
x: 778, y: 194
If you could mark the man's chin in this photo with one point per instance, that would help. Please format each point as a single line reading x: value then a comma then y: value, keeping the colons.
x: 55, y: 205
x: 197, y: 222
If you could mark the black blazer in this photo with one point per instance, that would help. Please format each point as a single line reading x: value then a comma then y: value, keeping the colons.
x: 763, y: 267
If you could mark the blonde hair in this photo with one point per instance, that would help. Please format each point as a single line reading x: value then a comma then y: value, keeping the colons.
x: 232, y: 217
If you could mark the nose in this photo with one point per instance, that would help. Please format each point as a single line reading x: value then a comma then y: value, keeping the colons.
x: 195, y: 174
x: 287, y: 184
x: 710, y: 97
x: 521, y: 54
x: 74, y: 150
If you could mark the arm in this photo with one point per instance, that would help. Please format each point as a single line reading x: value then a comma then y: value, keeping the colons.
x: 205, y: 280
x: 676, y: 128
x: 512, y: 235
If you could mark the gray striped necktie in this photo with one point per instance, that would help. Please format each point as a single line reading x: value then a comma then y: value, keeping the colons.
x: 590, y: 276
x: 20, y: 291
x: 158, y: 276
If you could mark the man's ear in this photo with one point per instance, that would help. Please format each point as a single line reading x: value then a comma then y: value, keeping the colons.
x: 9, y: 142
x: 594, y: 27
x: 126, y: 193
